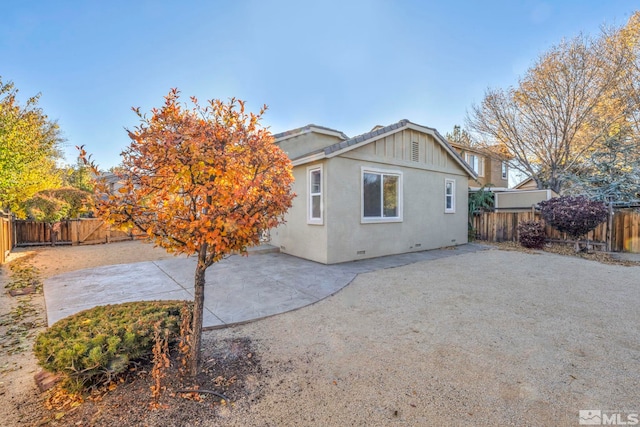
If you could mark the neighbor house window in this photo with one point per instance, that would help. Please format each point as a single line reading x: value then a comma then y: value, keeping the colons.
x: 381, y: 196
x: 476, y: 162
x: 505, y: 170
x: 315, y: 195
x: 449, y: 196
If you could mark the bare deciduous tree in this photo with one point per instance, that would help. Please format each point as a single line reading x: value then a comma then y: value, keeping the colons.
x: 569, y: 102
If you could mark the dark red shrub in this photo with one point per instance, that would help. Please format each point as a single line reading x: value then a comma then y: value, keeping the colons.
x: 575, y: 216
x: 531, y: 234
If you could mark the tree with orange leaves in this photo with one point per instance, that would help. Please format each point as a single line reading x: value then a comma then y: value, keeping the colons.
x: 204, y: 180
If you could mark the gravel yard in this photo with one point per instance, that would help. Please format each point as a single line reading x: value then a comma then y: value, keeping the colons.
x: 490, y: 338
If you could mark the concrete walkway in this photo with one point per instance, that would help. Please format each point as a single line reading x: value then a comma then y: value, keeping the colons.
x: 238, y: 289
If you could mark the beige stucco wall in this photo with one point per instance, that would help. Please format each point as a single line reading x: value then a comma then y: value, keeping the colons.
x: 424, y: 225
x: 296, y: 237
x: 306, y: 143
x: 520, y: 200
x: 344, y: 237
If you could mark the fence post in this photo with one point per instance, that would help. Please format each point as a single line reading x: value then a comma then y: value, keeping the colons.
x: 609, y: 235
x: 14, y: 233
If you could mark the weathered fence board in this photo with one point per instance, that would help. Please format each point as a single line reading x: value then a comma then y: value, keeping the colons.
x: 68, y: 232
x: 94, y: 231
x: 621, y: 233
x: 626, y: 232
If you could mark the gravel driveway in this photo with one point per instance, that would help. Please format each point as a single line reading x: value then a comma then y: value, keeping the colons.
x: 489, y: 338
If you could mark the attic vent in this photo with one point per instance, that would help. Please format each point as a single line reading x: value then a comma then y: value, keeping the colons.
x: 415, y: 151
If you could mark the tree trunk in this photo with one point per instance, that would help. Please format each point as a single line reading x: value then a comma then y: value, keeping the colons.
x: 555, y: 184
x: 198, y: 310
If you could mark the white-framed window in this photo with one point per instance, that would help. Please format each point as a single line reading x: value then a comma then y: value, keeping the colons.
x: 314, y: 202
x: 476, y: 162
x: 505, y: 170
x: 449, y: 195
x: 381, y: 195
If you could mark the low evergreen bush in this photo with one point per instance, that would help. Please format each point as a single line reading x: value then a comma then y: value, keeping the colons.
x: 531, y: 234
x: 91, y: 347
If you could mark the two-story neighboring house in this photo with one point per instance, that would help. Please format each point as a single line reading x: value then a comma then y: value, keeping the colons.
x: 490, y: 165
x: 491, y: 168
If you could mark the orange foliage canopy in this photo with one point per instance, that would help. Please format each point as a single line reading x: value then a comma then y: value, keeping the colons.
x: 201, y: 179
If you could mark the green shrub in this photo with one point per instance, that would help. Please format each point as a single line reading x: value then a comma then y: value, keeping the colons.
x: 92, y: 346
x: 531, y: 234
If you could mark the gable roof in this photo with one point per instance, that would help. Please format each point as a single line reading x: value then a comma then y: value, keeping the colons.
x: 523, y: 183
x: 496, y: 151
x: 349, y: 144
x: 464, y: 147
x: 309, y: 128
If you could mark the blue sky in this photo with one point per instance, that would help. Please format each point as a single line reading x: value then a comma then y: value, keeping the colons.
x: 348, y: 65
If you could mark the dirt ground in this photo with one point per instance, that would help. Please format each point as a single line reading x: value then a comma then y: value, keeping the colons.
x: 52, y: 261
x: 23, y: 316
x: 490, y: 338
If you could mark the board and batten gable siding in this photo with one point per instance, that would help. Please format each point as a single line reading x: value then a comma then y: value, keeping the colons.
x: 399, y: 148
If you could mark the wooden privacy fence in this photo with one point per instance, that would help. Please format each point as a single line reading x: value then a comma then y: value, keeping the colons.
x: 68, y: 232
x: 621, y: 233
x: 6, y: 238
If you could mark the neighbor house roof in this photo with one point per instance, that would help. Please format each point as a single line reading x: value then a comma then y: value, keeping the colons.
x: 524, y: 183
x: 378, y: 132
x: 496, y: 151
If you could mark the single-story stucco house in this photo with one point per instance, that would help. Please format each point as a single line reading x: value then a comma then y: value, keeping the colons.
x: 399, y: 188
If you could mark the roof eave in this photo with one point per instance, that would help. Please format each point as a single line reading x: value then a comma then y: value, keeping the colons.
x: 308, y: 159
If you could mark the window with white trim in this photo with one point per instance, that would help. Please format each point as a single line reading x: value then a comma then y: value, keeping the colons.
x: 505, y: 170
x: 381, y: 196
x: 314, y: 207
x: 476, y: 162
x: 449, y: 195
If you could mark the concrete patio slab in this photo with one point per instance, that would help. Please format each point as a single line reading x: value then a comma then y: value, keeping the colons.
x: 238, y: 289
